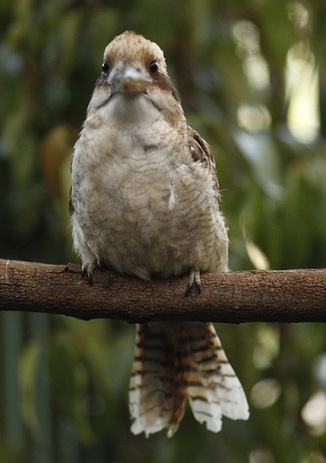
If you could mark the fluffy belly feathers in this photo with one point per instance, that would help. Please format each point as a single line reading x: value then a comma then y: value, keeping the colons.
x: 149, y: 215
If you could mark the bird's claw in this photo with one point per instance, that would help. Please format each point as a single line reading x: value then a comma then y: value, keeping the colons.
x: 194, y: 279
x: 87, y: 271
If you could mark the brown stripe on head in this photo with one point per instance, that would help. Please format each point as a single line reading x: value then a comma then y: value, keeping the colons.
x: 132, y: 47
x: 163, y: 82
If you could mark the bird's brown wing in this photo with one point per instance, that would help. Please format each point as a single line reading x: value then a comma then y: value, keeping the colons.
x: 201, y: 152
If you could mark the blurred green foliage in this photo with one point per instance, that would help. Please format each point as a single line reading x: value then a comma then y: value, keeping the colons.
x: 63, y: 392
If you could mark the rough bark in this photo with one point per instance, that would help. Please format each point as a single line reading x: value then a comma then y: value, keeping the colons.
x: 235, y: 297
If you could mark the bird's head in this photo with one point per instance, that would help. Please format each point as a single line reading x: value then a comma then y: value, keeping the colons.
x: 134, y: 66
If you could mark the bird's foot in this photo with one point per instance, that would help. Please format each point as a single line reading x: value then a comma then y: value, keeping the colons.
x: 87, y: 271
x: 194, y: 279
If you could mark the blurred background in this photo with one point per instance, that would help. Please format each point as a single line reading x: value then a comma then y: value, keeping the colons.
x: 251, y: 74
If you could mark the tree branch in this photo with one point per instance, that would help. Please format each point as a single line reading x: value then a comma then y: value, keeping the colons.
x: 235, y: 297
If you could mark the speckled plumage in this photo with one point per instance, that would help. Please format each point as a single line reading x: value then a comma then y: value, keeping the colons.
x: 145, y: 198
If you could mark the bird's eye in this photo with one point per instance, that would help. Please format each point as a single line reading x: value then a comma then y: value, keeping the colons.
x: 153, y: 67
x: 105, y: 67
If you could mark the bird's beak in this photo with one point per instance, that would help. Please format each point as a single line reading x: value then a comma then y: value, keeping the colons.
x: 128, y: 80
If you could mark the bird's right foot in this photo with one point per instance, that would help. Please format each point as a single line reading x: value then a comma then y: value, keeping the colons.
x: 194, y: 280
x: 87, y: 271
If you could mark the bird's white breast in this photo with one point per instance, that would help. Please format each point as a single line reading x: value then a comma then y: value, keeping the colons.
x: 141, y: 200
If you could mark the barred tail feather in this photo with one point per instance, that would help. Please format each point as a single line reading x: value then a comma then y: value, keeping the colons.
x: 174, y: 360
x: 150, y: 392
x: 220, y: 392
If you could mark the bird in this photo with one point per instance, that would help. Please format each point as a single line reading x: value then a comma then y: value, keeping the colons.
x: 145, y: 201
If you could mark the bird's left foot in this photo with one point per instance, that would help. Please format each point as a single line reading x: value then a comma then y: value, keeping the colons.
x: 194, y: 279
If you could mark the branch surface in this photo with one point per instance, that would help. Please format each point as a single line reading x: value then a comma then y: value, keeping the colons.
x: 235, y: 297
